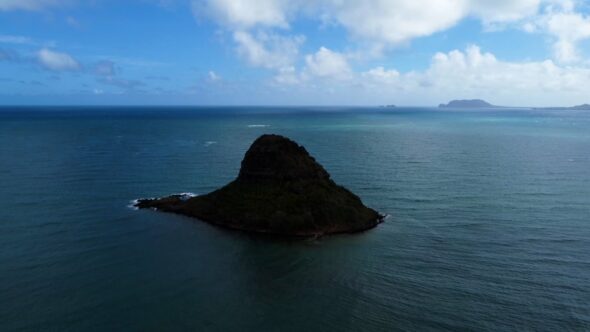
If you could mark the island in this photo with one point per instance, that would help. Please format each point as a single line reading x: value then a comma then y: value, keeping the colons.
x: 280, y: 189
x: 583, y: 107
x: 468, y: 103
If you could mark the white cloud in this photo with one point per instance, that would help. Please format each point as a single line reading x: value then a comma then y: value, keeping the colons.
x: 326, y: 63
x: 245, y: 13
x: 475, y: 74
x: 287, y: 76
x: 381, y: 76
x: 569, y: 28
x: 23, y: 40
x: 394, y: 22
x: 469, y: 73
x: 28, y: 4
x: 390, y: 22
x: 10, y: 39
x: 566, y: 27
x: 213, y: 77
x: 57, y: 61
x: 268, y: 50
x: 379, y: 24
x: 493, y: 11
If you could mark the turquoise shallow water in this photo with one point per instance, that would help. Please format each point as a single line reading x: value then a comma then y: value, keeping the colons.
x: 489, y: 226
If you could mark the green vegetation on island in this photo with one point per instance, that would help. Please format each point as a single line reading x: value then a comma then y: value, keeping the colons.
x: 280, y: 189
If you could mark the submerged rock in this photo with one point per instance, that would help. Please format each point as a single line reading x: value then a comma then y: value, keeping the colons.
x: 280, y: 189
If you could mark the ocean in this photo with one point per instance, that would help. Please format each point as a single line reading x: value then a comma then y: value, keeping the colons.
x: 488, y: 225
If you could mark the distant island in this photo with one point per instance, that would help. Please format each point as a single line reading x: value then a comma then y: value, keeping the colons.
x: 479, y: 103
x: 280, y: 189
x: 468, y: 103
x: 583, y: 107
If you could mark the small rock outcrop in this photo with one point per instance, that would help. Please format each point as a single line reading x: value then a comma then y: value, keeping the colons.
x: 280, y: 189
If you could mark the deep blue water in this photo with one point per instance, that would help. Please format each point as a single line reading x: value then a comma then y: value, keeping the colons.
x: 489, y: 226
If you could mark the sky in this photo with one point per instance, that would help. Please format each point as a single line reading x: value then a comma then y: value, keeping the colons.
x: 294, y: 52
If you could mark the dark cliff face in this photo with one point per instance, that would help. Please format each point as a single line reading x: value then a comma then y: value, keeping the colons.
x: 280, y: 189
x: 277, y: 158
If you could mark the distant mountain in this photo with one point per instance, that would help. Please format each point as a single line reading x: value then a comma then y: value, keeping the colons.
x: 467, y: 103
x: 479, y: 103
x: 583, y: 107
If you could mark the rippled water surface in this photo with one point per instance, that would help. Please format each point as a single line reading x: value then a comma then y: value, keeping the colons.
x: 489, y: 226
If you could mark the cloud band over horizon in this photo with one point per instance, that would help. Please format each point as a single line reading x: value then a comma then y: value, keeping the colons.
x: 297, y: 52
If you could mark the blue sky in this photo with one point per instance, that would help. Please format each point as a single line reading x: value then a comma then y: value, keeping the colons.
x: 279, y: 52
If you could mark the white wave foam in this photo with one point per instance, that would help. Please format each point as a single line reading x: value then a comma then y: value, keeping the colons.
x: 209, y: 143
x: 183, y: 196
x: 258, y: 126
x: 133, y: 203
x: 187, y: 195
